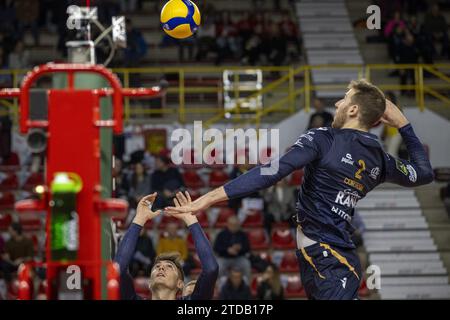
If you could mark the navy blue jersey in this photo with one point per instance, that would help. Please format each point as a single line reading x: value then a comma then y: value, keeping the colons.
x: 341, y: 167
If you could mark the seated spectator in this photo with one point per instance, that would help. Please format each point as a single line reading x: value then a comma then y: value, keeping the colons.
x: 278, y: 51
x: 392, y: 24
x: 18, y: 249
x: 139, y: 184
x: 27, y: 14
x: 121, y: 179
x: 436, y: 27
x: 423, y: 41
x: 206, y: 36
x: 144, y: 256
x: 407, y: 54
x: 289, y: 29
x: 232, y: 246
x: 166, y: 180
x: 270, y: 287
x: 20, y: 57
x: 235, y: 288
x: 172, y: 242
x: 136, y: 46
x: 5, y: 79
x: 321, y: 117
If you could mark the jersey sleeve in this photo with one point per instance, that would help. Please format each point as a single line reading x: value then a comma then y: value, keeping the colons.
x: 413, y: 172
x: 206, y: 282
x: 308, y: 147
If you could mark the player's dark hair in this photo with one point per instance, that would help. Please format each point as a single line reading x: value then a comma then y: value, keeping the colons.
x: 173, y: 257
x: 370, y: 100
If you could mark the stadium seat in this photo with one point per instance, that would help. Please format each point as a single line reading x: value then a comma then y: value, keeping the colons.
x: 212, y: 157
x: 33, y: 180
x: 31, y: 224
x: 7, y: 200
x: 363, y: 291
x: 217, y: 178
x: 9, y: 182
x: 224, y: 214
x: 254, y: 284
x: 12, y: 160
x: 283, y: 239
x: 167, y: 219
x: 296, y: 178
x: 289, y: 262
x: 253, y: 219
x: 190, y: 241
x: 294, y: 288
x: 188, y: 160
x: 141, y: 287
x: 5, y: 221
x: 258, y: 239
x: 202, y: 218
x: 192, y: 179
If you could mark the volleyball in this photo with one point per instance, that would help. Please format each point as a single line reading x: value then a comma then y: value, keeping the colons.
x: 180, y: 18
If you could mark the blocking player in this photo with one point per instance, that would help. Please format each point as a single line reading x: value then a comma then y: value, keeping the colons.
x: 166, y: 277
x: 342, y: 164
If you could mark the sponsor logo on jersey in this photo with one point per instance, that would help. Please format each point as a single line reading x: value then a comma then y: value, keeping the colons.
x: 308, y: 135
x: 341, y: 213
x: 374, y: 173
x: 354, y: 184
x: 412, y: 173
x: 344, y: 282
x: 347, y: 159
x: 348, y: 198
x: 401, y: 167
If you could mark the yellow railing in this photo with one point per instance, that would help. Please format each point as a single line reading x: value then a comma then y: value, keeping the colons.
x: 289, y: 88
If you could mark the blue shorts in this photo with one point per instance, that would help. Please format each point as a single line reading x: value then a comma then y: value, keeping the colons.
x: 329, y: 273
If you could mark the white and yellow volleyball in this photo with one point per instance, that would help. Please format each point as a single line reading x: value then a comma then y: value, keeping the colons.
x: 180, y: 18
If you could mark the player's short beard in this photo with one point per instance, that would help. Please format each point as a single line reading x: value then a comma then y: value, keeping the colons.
x: 340, y: 118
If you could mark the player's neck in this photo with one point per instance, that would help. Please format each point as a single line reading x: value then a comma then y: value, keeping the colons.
x: 355, y: 126
x: 164, y: 294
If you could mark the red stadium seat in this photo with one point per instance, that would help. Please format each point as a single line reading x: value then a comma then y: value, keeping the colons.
x: 289, y: 262
x: 188, y: 160
x: 5, y: 221
x: 296, y: 178
x: 31, y: 224
x: 217, y: 178
x: 212, y: 158
x: 9, y: 182
x: 12, y: 160
x: 224, y: 214
x: 294, y: 288
x: 141, y: 287
x: 192, y: 179
x: 254, y: 284
x: 33, y: 180
x: 363, y: 291
x: 283, y: 239
x: 253, y: 219
x: 7, y: 200
x: 168, y: 219
x: 258, y: 239
x: 190, y: 241
x: 202, y: 218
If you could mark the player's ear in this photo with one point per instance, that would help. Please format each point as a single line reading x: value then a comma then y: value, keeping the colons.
x: 353, y: 110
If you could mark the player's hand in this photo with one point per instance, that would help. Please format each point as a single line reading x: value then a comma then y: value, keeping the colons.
x: 393, y: 116
x: 144, y: 211
x: 186, y: 207
x: 183, y: 200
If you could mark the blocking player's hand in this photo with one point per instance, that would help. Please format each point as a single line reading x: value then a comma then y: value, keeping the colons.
x: 144, y: 210
x: 183, y: 200
x: 393, y: 116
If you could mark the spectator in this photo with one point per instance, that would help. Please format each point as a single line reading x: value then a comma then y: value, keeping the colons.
x: 290, y: 31
x: 227, y: 42
x: 320, y: 118
x: 436, y: 27
x: 166, y: 181
x: 144, y: 256
x: 172, y: 242
x: 392, y: 24
x: 270, y: 287
x: 20, y: 57
x: 27, y: 13
x: 390, y: 136
x: 206, y: 39
x: 18, y: 249
x: 136, y: 46
x: 5, y: 79
x: 128, y: 5
x: 139, y: 183
x: 278, y: 45
x: 407, y: 54
x: 235, y: 288
x: 232, y: 246
x: 423, y: 41
x: 121, y: 181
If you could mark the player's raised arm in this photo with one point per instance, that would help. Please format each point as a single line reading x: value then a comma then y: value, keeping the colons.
x: 415, y: 171
x: 204, y: 287
x: 305, y: 150
x: 127, y: 246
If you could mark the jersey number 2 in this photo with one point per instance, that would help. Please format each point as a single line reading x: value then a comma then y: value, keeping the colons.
x: 362, y: 165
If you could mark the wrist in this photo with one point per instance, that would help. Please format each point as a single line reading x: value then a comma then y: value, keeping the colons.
x: 402, y: 124
x: 190, y: 220
x: 140, y: 220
